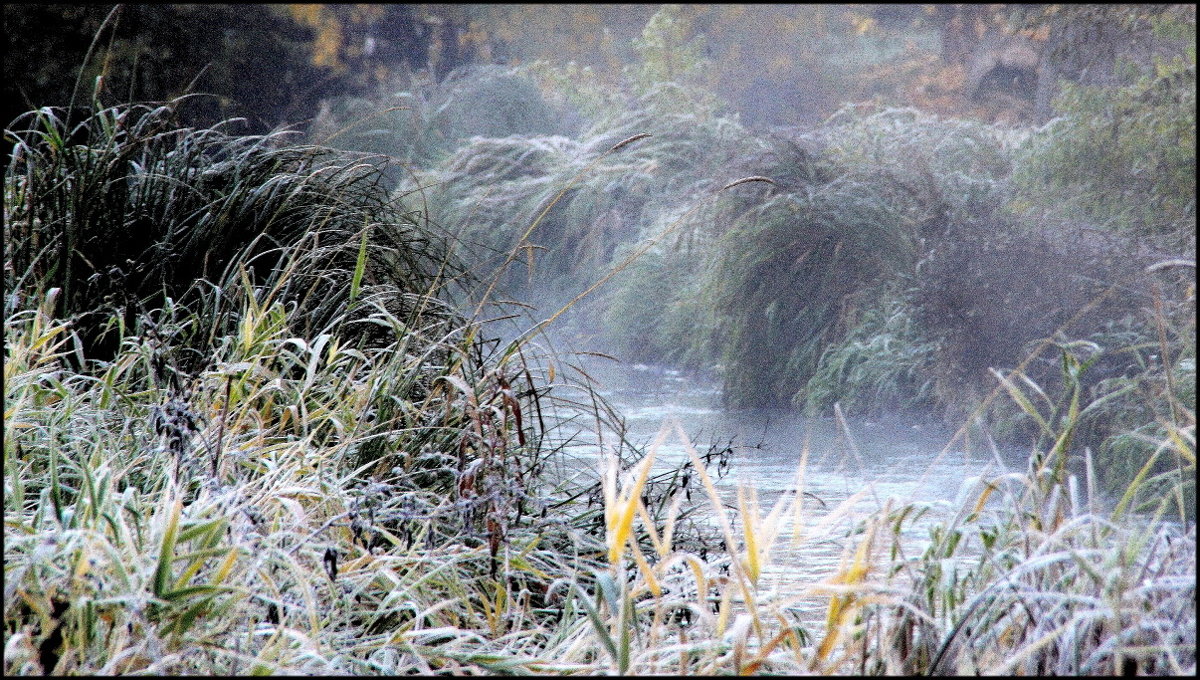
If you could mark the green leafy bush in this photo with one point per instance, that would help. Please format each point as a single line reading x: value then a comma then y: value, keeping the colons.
x: 1122, y: 156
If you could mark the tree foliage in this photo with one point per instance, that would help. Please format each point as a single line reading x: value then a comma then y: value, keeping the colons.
x: 271, y: 64
x: 1124, y: 155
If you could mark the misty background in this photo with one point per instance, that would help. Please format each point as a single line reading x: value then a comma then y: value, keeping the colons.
x: 775, y: 64
x: 947, y: 186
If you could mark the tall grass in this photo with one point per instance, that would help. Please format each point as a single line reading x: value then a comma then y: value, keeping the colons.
x: 418, y: 122
x: 797, y: 258
x: 1027, y: 572
x: 883, y: 364
x: 1049, y: 578
x: 125, y: 209
x: 298, y: 509
x: 566, y: 204
x: 229, y: 365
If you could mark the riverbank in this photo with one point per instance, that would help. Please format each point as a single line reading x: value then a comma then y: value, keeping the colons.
x: 259, y: 417
x: 237, y: 490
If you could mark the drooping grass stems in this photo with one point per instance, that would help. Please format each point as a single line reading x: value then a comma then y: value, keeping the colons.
x: 639, y: 252
x: 520, y: 247
x: 518, y: 193
x: 305, y: 399
x: 155, y: 211
x: 113, y: 14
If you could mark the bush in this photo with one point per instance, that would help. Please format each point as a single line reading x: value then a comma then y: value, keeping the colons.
x: 1122, y: 157
x: 991, y: 294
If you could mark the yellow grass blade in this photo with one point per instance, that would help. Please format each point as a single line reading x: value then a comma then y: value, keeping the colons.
x: 749, y: 520
x: 619, y: 510
x: 646, y: 569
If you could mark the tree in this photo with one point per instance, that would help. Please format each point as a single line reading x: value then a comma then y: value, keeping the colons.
x: 1099, y: 45
x: 271, y: 64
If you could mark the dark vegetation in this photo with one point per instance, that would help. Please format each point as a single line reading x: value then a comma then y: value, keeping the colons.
x: 256, y: 419
x: 258, y: 61
x: 159, y: 212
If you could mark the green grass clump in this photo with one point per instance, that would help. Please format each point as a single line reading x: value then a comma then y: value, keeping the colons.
x: 422, y: 121
x: 124, y: 210
x: 657, y: 311
x: 564, y: 205
x: 773, y: 274
x: 882, y: 364
x: 785, y: 269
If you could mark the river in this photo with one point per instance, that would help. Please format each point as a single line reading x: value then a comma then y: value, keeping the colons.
x: 852, y: 469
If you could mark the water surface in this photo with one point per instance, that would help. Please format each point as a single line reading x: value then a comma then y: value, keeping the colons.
x: 853, y: 467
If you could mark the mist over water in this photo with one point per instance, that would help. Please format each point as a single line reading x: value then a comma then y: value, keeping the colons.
x: 370, y: 393
x: 903, y: 455
x: 853, y: 470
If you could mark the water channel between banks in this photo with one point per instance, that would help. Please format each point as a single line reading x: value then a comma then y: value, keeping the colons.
x: 894, y: 458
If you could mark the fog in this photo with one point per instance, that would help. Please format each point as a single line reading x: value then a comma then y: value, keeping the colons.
x: 599, y: 339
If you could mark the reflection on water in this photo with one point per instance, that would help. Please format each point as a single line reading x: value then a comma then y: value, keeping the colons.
x: 860, y: 466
